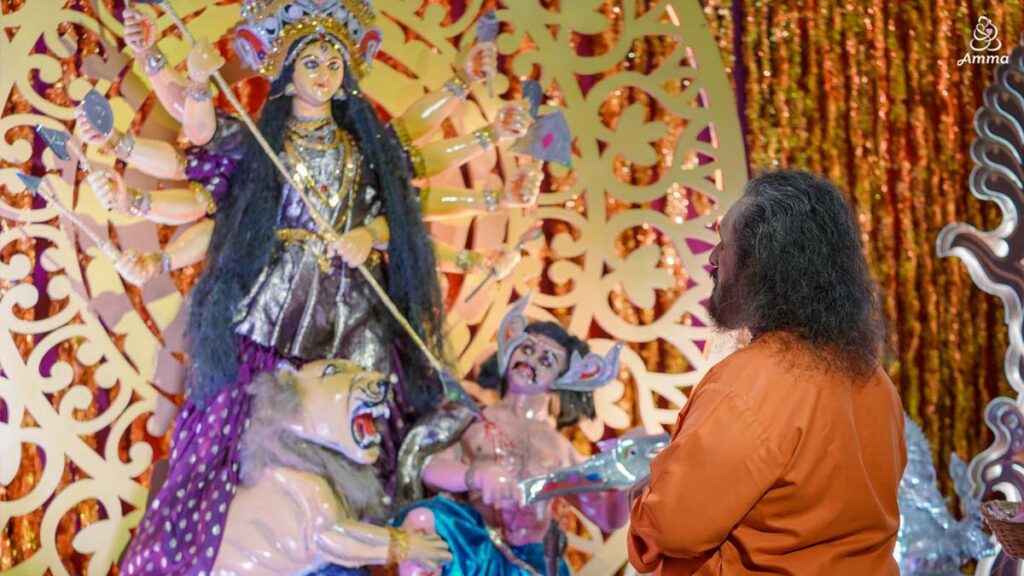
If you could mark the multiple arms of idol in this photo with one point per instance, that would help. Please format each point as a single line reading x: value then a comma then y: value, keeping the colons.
x: 189, y: 100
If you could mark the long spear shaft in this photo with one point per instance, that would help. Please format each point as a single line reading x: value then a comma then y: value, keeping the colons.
x: 326, y: 229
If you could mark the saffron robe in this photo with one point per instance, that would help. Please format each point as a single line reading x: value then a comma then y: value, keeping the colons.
x: 779, y: 464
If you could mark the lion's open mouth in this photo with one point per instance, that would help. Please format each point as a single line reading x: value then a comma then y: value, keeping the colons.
x: 364, y: 428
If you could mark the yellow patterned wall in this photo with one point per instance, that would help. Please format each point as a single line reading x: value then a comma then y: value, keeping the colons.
x: 658, y: 156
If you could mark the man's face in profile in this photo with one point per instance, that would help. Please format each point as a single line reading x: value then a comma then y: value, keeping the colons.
x: 725, y: 304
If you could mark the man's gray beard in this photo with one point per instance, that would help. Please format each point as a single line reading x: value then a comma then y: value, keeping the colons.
x: 723, y: 306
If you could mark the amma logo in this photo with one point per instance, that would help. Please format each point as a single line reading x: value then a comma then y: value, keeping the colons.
x: 985, y: 38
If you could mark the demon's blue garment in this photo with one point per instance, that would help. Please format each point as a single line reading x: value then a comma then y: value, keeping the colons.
x: 473, y: 553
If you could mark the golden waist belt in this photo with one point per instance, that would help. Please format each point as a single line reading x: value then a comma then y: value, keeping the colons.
x: 308, y: 238
x: 297, y: 235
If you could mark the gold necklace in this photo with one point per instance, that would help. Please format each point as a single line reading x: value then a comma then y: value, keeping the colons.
x: 298, y: 162
x: 310, y: 123
x: 319, y: 142
x: 348, y: 167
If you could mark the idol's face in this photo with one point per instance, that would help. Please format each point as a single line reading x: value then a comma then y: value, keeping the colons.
x: 319, y: 70
x: 535, y: 365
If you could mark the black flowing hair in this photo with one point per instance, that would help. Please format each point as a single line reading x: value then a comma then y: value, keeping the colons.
x: 800, y: 269
x: 244, y: 238
x: 572, y: 405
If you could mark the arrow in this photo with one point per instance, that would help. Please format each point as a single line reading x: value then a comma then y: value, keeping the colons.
x: 57, y: 141
x: 36, y: 185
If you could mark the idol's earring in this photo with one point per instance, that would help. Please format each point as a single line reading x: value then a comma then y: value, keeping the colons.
x: 290, y: 90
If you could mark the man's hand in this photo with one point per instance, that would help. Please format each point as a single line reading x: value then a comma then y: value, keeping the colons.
x: 110, y: 190
x: 523, y: 187
x: 428, y: 550
x: 89, y: 132
x: 138, y: 267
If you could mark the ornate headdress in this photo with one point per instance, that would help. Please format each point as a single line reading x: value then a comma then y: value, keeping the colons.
x: 585, y: 373
x: 276, y: 30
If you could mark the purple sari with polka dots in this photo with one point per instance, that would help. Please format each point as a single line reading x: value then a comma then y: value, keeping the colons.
x: 181, y: 532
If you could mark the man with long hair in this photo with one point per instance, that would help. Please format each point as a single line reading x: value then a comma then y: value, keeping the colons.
x: 788, y: 455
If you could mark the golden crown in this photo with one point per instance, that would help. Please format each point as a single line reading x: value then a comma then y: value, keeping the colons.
x: 275, y: 30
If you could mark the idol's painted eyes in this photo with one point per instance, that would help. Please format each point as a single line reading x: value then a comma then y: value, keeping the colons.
x: 312, y: 63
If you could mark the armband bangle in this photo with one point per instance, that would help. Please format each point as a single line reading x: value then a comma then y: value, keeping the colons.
x: 204, y: 196
x: 141, y: 203
x: 401, y: 132
x: 457, y: 87
x: 398, y: 548
x: 153, y: 61
x: 198, y: 91
x: 467, y: 260
x: 419, y: 163
x: 491, y: 200
x: 165, y: 262
x: 486, y: 136
x: 124, y: 146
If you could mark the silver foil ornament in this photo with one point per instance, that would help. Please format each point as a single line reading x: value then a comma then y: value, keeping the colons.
x: 931, y: 542
x: 622, y: 464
